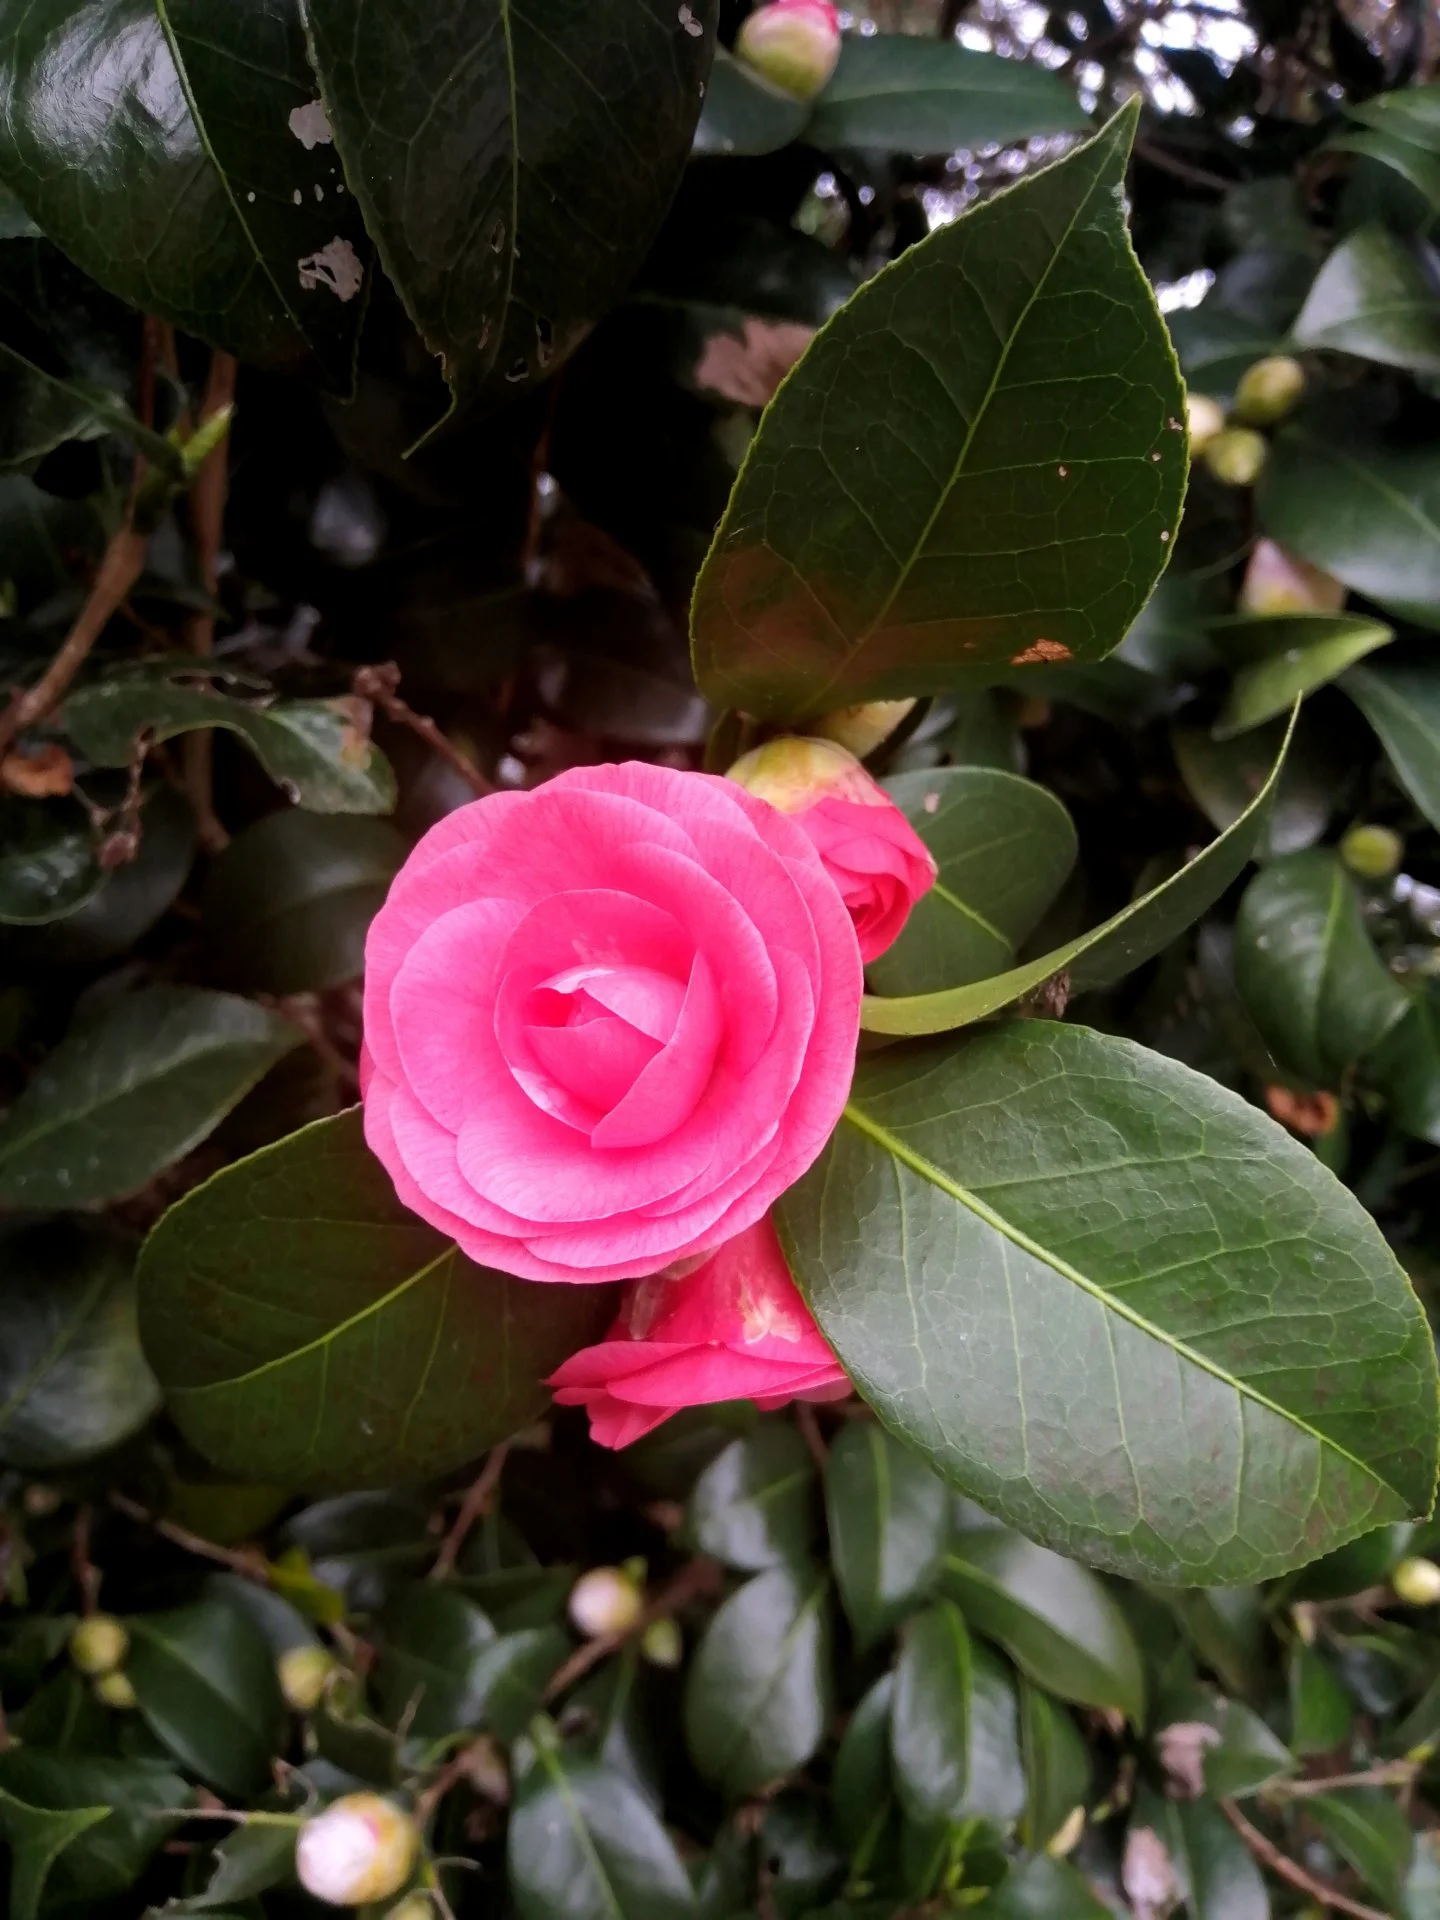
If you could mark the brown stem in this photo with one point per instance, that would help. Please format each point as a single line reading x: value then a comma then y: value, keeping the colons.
x: 699, y: 1577
x: 1280, y: 1864
x: 207, y: 519
x: 476, y: 1504
x: 1398, y: 1773
x: 380, y: 684
x: 87, y: 1574
x: 1167, y: 162
x: 250, y: 1566
x: 810, y: 1432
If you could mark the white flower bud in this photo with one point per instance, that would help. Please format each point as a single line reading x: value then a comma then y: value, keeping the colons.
x: 361, y: 1848
x: 794, y: 43
x: 605, y: 1601
x: 302, y: 1673
x: 99, y: 1644
x: 793, y: 773
x: 1417, y: 1583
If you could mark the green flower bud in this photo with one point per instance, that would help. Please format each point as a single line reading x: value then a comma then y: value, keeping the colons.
x: 1372, y: 853
x: 1237, y: 456
x: 116, y: 1690
x: 415, y: 1906
x: 794, y: 773
x: 794, y: 43
x: 1268, y: 391
x: 1205, y: 418
x: 361, y: 1848
x: 662, y: 1643
x: 861, y: 729
x: 1417, y: 1583
x: 302, y: 1673
x: 605, y: 1601
x: 98, y: 1645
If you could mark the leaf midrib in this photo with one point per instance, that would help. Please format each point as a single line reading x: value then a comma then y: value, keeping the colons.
x: 58, y: 1347
x: 927, y: 1170
x: 581, y: 1829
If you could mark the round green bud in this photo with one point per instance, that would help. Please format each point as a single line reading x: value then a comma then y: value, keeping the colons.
x: 1372, y: 853
x: 1268, y: 391
x: 1237, y: 456
x: 302, y: 1673
x: 415, y: 1906
x: 1205, y: 418
x: 861, y: 729
x: 662, y: 1643
x: 1417, y: 1582
x: 115, y: 1690
x: 99, y: 1644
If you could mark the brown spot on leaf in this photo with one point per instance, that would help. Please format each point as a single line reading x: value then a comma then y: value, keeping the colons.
x: 1041, y: 650
x: 1310, y: 1114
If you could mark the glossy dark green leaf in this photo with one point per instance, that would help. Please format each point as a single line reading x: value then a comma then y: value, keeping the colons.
x: 36, y: 1837
x: 1307, y: 969
x: 205, y: 1679
x: 514, y: 161
x: 247, y: 1862
x: 136, y: 1084
x: 48, y: 864
x: 754, y: 1506
x: 1362, y: 1563
x: 1377, y: 298
x: 289, y: 902
x: 1368, y: 514
x: 1217, y: 1878
x: 1055, y: 1619
x: 1402, y: 704
x: 860, y: 1783
x: 585, y: 1845
x: 1057, y: 1765
x: 1042, y: 1889
x: 1369, y: 1829
x: 997, y: 1789
x: 177, y: 156
x: 930, y: 1715
x: 757, y: 1697
x: 1106, y: 953
x: 744, y: 113
x: 306, y: 1328
x: 1321, y: 1711
x: 905, y: 94
x: 1286, y: 656
x: 131, y: 899
x: 431, y: 1640
x: 1113, y: 1389
x: 1229, y: 1629
x: 1004, y: 847
x: 1406, y: 1068
x: 511, y: 1675
x: 1401, y: 129
x: 73, y: 1381
x: 311, y: 748
x: 40, y: 411
x: 1224, y: 776
x: 80, y: 1863
x: 889, y: 1518
x: 952, y: 479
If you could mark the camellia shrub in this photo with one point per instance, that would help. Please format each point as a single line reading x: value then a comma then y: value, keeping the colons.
x: 721, y: 910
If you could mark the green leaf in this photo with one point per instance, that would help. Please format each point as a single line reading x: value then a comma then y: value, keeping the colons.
x: 1290, y: 655
x: 1036, y: 1254
x: 744, y: 113
x: 209, y: 192
x: 132, y: 898
x: 1057, y: 1765
x: 1057, y: 1622
x: 432, y: 1639
x: 1106, y: 953
x: 1401, y: 130
x: 758, y: 1693
x: 948, y: 478
x: 1004, y: 847
x: 1402, y: 704
x: 205, y: 1679
x: 1042, y: 1889
x: 73, y: 1381
x: 135, y: 1085
x: 251, y: 1860
x: 37, y: 1836
x: 1224, y: 776
x: 40, y: 411
x: 904, y: 94
x: 930, y: 1716
x: 1365, y: 1562
x: 584, y: 1845
x: 396, y: 1359
x: 1368, y: 514
x: 1321, y: 1713
x: 1247, y: 1756
x: 1406, y: 1068
x: 1213, y: 1869
x: 1375, y: 297
x: 1229, y: 1630
x: 48, y: 864
x: 514, y: 161
x: 311, y: 748
x: 288, y: 903
x: 511, y: 1675
x: 889, y: 1517
x: 1307, y: 970
x: 97, y: 1859
x: 1369, y: 1828
x: 754, y: 1506
x: 860, y: 1783
x: 997, y: 1789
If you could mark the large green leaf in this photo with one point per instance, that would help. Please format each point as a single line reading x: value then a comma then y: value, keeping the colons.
x: 1307, y: 970
x: 585, y: 1845
x: 73, y: 1380
x: 1377, y: 298
x: 1057, y: 1765
x: 1106, y: 953
x: 1283, y: 657
x: 1402, y: 704
x: 754, y: 1505
x: 905, y: 94
x: 514, y: 159
x: 758, y: 1694
x: 136, y: 1084
x: 1042, y: 1889
x: 1402, y: 130
x: 60, y: 1853
x: 306, y: 1328
x: 205, y: 1679
x: 433, y: 1640
x: 1369, y: 1828
x: 889, y: 1517
x: 744, y: 113
x: 1004, y: 847
x: 954, y: 478
x: 1224, y: 776
x: 1116, y: 1304
x: 1369, y: 514
x: 36, y: 1837
x: 1216, y: 1875
x: 175, y: 152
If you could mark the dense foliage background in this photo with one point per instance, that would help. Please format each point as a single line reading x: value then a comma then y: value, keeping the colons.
x: 266, y: 648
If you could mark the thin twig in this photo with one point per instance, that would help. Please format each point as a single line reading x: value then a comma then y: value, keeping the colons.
x: 250, y: 1566
x: 207, y: 519
x: 380, y: 684
x: 701, y: 1576
x: 87, y: 1574
x: 1396, y: 1773
x: 1170, y: 163
x: 1269, y: 1855
x: 122, y: 836
x: 476, y: 1504
x: 810, y: 1432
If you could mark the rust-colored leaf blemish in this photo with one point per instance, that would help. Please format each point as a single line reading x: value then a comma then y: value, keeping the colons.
x: 1041, y: 650
x: 1310, y: 1114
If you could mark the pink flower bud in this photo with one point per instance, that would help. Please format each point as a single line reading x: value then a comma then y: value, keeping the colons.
x: 735, y: 1329
x: 1277, y: 582
x: 794, y: 43
x: 605, y: 1601
x: 878, y: 862
x: 361, y: 1848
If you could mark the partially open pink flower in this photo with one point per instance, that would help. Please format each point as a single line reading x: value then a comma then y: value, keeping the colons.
x: 735, y: 1329
x: 607, y: 1022
x: 869, y: 849
x: 794, y: 43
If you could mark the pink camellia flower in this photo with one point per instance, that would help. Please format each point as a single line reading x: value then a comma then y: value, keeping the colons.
x: 735, y: 1329
x: 607, y: 1022
x: 794, y: 43
x: 869, y: 849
